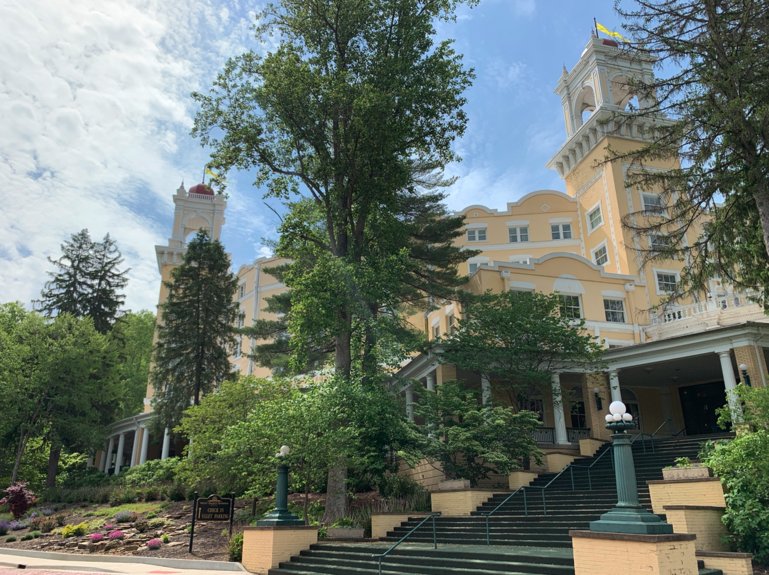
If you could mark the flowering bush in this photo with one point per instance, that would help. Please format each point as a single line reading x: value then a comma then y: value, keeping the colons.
x: 154, y: 543
x: 18, y: 498
x: 109, y: 526
x: 47, y: 511
x: 95, y: 537
x: 43, y: 523
x: 17, y: 525
x: 4, y: 527
x: 116, y: 535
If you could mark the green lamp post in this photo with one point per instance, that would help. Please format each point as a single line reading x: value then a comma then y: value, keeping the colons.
x: 281, y: 515
x: 627, y: 516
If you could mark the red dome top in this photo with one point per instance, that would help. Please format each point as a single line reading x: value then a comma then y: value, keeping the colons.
x: 201, y: 189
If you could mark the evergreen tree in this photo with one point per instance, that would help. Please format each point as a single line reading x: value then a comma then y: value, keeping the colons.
x: 87, y: 281
x: 711, y: 91
x: 195, y: 334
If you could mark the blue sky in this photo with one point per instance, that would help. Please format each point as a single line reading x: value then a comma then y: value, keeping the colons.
x: 95, y: 116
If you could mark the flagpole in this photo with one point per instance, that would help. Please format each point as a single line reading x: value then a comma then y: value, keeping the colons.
x: 595, y: 27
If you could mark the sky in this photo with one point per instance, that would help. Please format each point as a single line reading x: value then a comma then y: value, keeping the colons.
x: 95, y: 118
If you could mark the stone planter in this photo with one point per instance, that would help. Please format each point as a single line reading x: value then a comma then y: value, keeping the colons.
x: 454, y: 484
x: 694, y: 471
x: 344, y: 533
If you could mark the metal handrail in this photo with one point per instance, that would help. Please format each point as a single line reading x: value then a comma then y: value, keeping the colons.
x: 549, y: 483
x: 589, y: 467
x: 381, y: 556
x: 650, y: 435
x: 505, y: 500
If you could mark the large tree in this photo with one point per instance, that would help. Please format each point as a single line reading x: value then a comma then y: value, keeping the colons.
x: 356, y: 111
x: 195, y: 333
x: 88, y: 281
x: 711, y: 89
x: 131, y: 339
x: 519, y: 338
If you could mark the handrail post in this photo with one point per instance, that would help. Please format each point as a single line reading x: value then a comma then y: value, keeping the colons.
x: 571, y: 473
x: 435, y: 537
x: 544, y: 503
x: 525, y: 505
x: 589, y: 480
x: 488, y: 538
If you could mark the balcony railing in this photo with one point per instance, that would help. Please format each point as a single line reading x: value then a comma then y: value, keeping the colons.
x: 731, y: 309
x: 546, y: 435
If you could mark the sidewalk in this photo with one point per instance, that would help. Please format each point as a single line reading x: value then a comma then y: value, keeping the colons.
x: 11, y: 561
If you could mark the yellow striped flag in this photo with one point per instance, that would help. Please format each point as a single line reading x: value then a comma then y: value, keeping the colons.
x: 211, y: 173
x: 605, y: 30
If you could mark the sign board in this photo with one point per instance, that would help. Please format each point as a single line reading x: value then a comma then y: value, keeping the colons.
x: 214, y: 508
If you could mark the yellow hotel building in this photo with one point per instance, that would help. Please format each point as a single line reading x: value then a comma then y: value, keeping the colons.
x: 672, y: 364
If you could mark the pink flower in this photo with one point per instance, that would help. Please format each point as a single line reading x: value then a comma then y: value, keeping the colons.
x: 95, y: 537
x: 154, y: 543
x: 115, y: 535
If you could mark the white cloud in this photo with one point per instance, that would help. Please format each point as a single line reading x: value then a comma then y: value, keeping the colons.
x: 95, y: 108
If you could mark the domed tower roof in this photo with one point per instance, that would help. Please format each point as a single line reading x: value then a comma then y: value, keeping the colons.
x: 201, y: 189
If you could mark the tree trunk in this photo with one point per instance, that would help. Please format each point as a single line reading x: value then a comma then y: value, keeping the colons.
x: 762, y: 204
x: 336, y: 493
x: 53, y: 464
x: 19, y: 454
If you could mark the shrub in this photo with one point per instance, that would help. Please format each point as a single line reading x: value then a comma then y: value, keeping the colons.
x: 60, y: 520
x: 17, y: 525
x: 95, y: 537
x: 235, y: 547
x: 4, y: 527
x: 116, y: 535
x: 743, y: 467
x: 109, y: 526
x: 152, y: 472
x: 141, y: 526
x: 125, y: 516
x: 43, y: 523
x: 47, y: 511
x: 27, y: 537
x: 10, y: 539
x: 19, y: 498
x: 165, y: 538
x: 35, y: 534
x: 177, y: 492
x: 154, y: 543
x: 123, y: 495
x: 74, y: 530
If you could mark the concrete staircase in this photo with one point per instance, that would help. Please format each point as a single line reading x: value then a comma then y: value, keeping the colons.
x: 531, y: 538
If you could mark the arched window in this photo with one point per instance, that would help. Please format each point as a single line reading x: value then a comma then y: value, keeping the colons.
x: 633, y: 407
x: 584, y: 105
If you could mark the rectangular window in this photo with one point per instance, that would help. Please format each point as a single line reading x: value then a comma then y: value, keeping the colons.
x: 451, y: 324
x: 560, y: 231
x: 436, y: 331
x: 601, y: 256
x: 476, y: 235
x: 614, y: 309
x: 472, y: 267
x: 241, y: 320
x: 570, y: 306
x: 518, y: 234
x: 241, y: 290
x: 652, y: 203
x: 659, y: 242
x: 594, y: 218
x: 666, y: 282
x: 238, y: 347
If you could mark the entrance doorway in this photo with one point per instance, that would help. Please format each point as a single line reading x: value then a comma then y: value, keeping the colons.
x: 699, y: 404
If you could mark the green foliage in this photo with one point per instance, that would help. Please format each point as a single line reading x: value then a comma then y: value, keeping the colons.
x: 518, y: 338
x: 10, y: 539
x: 470, y: 440
x: 235, y: 547
x: 742, y: 465
x: 43, y: 524
x: 712, y: 88
x: 77, y: 530
x: 682, y: 462
x: 131, y: 337
x: 196, y: 334
x: 125, y: 516
x: 153, y: 471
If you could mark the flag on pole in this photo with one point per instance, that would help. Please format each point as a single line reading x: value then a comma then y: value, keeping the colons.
x: 211, y: 173
x: 615, y: 35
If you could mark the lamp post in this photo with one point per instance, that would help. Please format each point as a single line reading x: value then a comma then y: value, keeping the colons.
x: 744, y: 371
x: 281, y: 515
x: 627, y: 516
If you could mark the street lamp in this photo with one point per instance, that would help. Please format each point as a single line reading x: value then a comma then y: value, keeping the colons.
x: 744, y: 371
x: 627, y: 516
x: 281, y: 515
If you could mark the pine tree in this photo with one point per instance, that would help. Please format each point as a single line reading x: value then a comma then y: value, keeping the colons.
x: 195, y: 335
x: 87, y: 282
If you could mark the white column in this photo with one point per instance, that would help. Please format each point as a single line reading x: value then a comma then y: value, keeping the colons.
x: 485, y: 390
x: 119, y: 458
x: 108, y: 458
x: 616, y: 392
x: 145, y: 444
x: 431, y: 381
x: 134, y: 447
x: 561, y: 436
x: 730, y: 385
x: 410, y: 403
x: 166, y: 444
